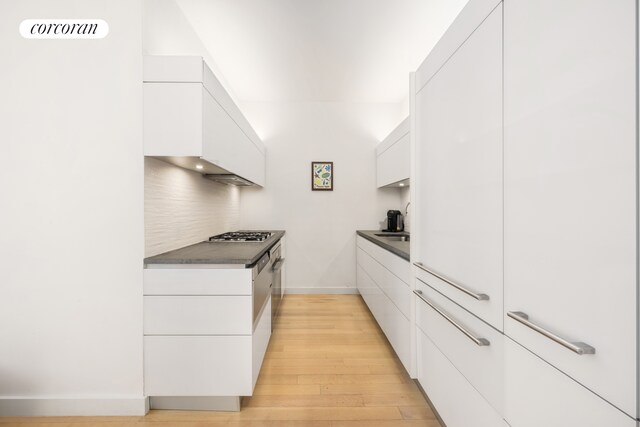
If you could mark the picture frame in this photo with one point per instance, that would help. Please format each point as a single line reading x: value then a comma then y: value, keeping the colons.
x: 322, y: 174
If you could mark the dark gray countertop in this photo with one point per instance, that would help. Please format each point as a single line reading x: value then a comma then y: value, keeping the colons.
x: 218, y: 252
x: 398, y: 248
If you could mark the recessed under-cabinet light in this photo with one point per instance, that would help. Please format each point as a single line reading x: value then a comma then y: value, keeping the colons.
x: 199, y: 166
x: 401, y: 184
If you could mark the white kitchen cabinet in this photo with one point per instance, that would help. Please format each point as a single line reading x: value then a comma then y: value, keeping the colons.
x: 190, y: 119
x: 569, y: 208
x: 398, y: 266
x: 458, y: 403
x: 395, y: 289
x: 205, y: 365
x: 458, y: 137
x: 570, y: 194
x: 200, y: 335
x: 186, y: 365
x: 537, y: 394
x: 477, y: 356
x: 387, y: 295
x: 393, y: 156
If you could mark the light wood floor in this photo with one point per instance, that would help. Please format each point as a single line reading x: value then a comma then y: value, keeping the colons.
x: 328, y: 365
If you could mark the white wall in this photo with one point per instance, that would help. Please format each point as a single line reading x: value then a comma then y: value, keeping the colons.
x: 166, y: 31
x: 320, y: 225
x: 71, y: 186
x: 181, y: 207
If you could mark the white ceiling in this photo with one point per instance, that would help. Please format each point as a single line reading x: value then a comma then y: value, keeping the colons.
x: 319, y: 50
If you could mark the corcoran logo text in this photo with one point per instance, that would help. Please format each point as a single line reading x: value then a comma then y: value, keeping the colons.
x: 64, y: 28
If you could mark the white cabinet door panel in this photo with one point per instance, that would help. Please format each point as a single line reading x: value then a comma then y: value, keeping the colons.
x: 570, y: 186
x: 482, y: 366
x: 459, y: 134
x: 226, y: 145
x: 197, y: 366
x: 260, y: 341
x: 393, y: 323
x: 172, y: 118
x: 457, y: 402
x: 398, y: 266
x: 198, y: 315
x: 394, y: 164
x: 394, y: 288
x: 537, y: 394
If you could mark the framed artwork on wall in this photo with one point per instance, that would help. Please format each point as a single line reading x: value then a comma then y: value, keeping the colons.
x: 322, y: 176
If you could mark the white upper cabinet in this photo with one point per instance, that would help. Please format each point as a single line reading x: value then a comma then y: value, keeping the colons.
x: 458, y: 137
x: 393, y: 156
x: 188, y: 117
x: 570, y: 187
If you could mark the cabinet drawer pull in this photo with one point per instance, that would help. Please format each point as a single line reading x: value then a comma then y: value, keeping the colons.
x: 479, y: 297
x: 479, y: 341
x: 577, y: 347
x: 277, y: 266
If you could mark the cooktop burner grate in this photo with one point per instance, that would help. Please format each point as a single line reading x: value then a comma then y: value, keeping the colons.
x: 241, y: 236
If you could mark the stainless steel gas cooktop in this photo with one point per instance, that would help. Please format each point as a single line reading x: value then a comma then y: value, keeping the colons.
x: 241, y: 236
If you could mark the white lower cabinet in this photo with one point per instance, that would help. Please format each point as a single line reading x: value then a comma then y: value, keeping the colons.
x: 205, y: 365
x: 473, y: 347
x: 387, y: 296
x: 393, y: 323
x: 456, y: 400
x: 260, y: 342
x: 201, y: 365
x: 537, y: 394
x: 200, y: 338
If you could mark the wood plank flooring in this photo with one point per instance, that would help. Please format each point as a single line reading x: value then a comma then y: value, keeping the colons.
x: 328, y: 365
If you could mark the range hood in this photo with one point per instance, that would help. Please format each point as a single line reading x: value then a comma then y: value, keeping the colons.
x: 207, y: 169
x: 228, y: 178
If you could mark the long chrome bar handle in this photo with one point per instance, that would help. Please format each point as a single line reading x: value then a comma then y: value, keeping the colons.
x: 577, y: 347
x: 479, y: 341
x: 479, y: 297
x: 278, y: 265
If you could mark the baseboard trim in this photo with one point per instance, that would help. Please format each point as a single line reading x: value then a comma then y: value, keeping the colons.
x: 321, y: 291
x: 196, y: 403
x: 430, y: 403
x: 52, y: 407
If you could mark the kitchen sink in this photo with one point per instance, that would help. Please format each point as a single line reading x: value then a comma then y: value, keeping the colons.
x: 395, y: 237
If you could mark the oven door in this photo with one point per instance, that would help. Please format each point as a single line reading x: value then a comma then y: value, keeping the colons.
x: 262, y: 283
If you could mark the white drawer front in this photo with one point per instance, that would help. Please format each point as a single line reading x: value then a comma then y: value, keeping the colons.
x: 198, y: 315
x: 488, y: 310
x: 481, y: 365
x: 397, y: 290
x: 261, y: 337
x: 393, y: 323
x: 537, y: 394
x: 372, y: 295
x: 398, y: 266
x: 455, y: 399
x: 197, y: 281
x: 197, y: 366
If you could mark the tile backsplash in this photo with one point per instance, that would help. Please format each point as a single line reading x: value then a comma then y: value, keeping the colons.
x: 181, y: 207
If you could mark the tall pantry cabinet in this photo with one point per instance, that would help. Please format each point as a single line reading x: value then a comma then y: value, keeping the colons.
x: 526, y: 189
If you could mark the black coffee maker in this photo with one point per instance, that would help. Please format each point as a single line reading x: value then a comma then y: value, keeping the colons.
x: 395, y: 222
